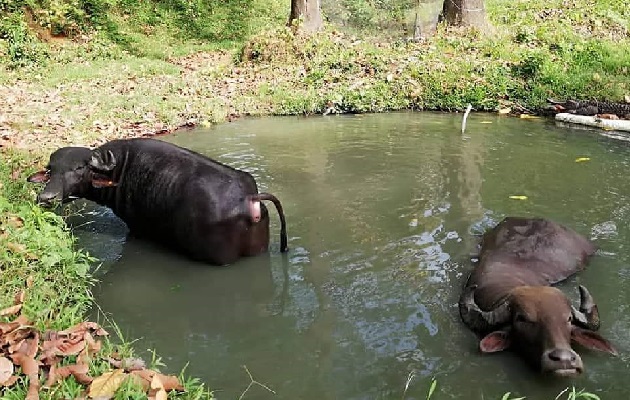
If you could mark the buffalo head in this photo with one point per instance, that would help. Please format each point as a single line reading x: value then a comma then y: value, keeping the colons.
x: 71, y: 173
x: 540, y: 323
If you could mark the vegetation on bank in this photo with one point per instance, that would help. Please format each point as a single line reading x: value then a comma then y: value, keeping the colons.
x: 146, y: 67
x: 46, y: 280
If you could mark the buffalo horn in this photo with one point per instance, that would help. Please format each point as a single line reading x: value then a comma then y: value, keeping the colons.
x: 476, y: 318
x: 587, y: 316
x: 103, y: 162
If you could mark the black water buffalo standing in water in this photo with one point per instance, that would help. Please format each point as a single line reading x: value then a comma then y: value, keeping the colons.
x: 508, y: 297
x: 205, y: 209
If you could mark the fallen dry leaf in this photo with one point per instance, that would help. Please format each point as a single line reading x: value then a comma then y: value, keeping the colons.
x: 128, y: 364
x: 168, y: 382
x: 27, y: 346
x: 11, y: 381
x: 62, y: 347
x: 146, y: 385
x: 107, y: 384
x: 6, y: 369
x: 158, y: 394
x: 29, y: 281
x: 82, y: 327
x: 28, y: 364
x: 14, y: 338
x: 6, y: 327
x: 22, y: 320
x: 19, y: 297
x: 30, y: 368
x: 16, y: 247
x: 79, y: 371
x: 11, y: 310
x: 15, y: 221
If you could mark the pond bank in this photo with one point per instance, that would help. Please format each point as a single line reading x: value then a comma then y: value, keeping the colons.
x: 47, y: 282
x: 88, y: 99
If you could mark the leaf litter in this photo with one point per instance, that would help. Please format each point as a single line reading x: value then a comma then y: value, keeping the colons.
x: 26, y: 351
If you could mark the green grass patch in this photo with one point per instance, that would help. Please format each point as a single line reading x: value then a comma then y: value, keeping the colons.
x: 167, y: 66
x: 40, y: 255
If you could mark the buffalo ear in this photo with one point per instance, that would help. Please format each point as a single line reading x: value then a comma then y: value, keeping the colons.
x: 39, y: 177
x: 592, y: 340
x: 495, y: 341
x: 102, y: 161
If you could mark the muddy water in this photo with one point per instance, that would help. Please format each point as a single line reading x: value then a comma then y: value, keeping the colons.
x: 382, y: 212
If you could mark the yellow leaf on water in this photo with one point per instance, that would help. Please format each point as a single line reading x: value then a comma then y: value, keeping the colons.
x: 582, y: 159
x: 518, y: 197
x: 106, y: 385
x: 528, y: 116
x: 485, y: 122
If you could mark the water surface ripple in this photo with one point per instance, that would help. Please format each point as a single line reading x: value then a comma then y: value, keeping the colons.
x: 383, y: 213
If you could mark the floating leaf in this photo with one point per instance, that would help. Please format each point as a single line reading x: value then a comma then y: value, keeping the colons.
x: 528, y: 116
x: 582, y: 159
x: 485, y: 122
x: 106, y: 385
x: 518, y: 197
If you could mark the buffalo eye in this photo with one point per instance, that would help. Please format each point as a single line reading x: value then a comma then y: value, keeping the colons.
x: 521, y: 318
x: 570, y: 319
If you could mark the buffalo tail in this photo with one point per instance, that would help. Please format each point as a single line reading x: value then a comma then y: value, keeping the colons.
x: 283, y: 225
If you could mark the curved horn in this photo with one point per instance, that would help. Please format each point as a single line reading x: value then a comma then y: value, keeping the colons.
x: 587, y: 316
x: 103, y: 161
x: 476, y: 318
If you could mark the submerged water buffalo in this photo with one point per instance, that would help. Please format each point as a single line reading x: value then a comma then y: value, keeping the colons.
x: 205, y: 209
x: 509, y: 297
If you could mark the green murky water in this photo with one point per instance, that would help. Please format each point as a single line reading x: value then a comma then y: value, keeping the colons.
x: 381, y: 213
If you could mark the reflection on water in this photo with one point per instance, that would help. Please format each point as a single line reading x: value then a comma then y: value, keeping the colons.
x: 383, y: 215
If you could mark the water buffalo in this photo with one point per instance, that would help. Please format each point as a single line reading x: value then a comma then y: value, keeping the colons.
x: 509, y: 298
x: 182, y: 199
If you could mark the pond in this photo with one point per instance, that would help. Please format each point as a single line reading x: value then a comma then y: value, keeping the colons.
x: 383, y: 212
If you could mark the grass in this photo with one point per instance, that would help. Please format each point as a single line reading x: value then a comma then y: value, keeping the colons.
x: 158, y: 79
x: 571, y: 393
x: 39, y: 255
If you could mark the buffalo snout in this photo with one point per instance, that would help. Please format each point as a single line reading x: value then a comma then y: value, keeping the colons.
x: 562, y: 362
x: 47, y: 198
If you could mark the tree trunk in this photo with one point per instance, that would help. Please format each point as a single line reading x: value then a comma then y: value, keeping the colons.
x: 465, y: 13
x: 309, y: 11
